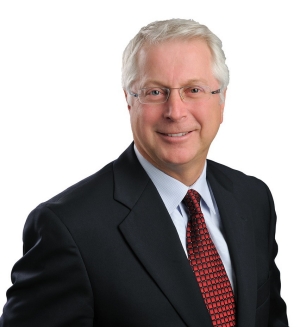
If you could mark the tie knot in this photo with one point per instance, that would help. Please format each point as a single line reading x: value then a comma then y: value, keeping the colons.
x: 192, y: 200
x: 192, y: 195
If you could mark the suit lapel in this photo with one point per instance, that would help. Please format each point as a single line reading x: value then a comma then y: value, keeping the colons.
x: 152, y: 236
x: 239, y: 235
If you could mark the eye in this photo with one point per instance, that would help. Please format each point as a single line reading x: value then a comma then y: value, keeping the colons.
x: 154, y: 92
x: 194, y: 91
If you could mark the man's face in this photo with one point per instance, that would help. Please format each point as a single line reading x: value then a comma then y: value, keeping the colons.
x: 193, y: 124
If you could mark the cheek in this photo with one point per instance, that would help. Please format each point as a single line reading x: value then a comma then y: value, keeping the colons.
x: 142, y: 117
x: 209, y: 118
x: 135, y: 115
x: 202, y: 116
x: 140, y: 123
x: 222, y: 115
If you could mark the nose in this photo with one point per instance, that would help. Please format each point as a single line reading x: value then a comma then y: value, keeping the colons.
x: 175, y: 108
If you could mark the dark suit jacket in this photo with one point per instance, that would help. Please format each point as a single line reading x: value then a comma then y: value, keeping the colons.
x: 106, y: 253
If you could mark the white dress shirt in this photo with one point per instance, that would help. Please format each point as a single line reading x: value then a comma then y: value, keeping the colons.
x: 172, y: 192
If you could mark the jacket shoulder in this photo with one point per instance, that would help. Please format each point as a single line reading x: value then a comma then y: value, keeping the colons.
x: 231, y: 173
x: 236, y: 179
x: 101, y: 179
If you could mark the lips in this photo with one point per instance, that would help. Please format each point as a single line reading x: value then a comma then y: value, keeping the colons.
x: 176, y: 134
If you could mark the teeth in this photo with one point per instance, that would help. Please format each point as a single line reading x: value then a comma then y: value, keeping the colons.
x: 176, y: 135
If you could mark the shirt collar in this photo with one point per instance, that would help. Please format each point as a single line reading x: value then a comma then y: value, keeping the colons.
x: 171, y: 190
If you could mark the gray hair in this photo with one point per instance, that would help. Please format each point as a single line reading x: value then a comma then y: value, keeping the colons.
x: 160, y: 31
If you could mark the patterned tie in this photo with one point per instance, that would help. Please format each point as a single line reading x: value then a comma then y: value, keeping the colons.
x: 207, y: 266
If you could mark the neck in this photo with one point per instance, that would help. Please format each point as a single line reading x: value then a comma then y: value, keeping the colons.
x: 186, y: 175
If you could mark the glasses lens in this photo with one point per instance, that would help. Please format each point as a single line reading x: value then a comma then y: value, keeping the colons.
x: 157, y: 95
x: 153, y: 95
x: 196, y: 92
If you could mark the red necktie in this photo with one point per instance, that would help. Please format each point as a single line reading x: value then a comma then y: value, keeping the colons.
x: 208, y: 266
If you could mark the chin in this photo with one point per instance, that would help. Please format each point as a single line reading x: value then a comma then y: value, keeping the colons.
x: 178, y: 160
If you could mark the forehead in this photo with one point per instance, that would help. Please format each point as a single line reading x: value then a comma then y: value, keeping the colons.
x: 175, y: 62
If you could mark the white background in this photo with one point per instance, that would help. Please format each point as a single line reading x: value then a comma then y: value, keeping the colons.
x: 63, y: 114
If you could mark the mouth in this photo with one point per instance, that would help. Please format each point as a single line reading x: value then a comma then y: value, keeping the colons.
x: 175, y: 135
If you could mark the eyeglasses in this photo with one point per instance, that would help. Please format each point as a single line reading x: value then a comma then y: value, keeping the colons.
x: 158, y: 95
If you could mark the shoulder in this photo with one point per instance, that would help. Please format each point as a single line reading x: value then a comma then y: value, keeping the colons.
x: 79, y: 202
x: 94, y: 200
x: 237, y: 180
x: 86, y: 188
x: 233, y: 174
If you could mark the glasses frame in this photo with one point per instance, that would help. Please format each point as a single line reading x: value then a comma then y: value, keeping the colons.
x: 168, y: 89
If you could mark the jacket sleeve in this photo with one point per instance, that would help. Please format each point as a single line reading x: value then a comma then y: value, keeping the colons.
x: 50, y: 287
x: 278, y: 316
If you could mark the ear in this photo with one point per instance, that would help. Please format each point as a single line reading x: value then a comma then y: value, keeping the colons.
x: 128, y: 99
x: 222, y: 105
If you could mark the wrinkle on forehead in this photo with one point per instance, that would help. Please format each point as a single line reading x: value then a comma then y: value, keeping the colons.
x: 169, y: 70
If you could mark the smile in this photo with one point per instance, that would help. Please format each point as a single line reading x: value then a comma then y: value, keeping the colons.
x: 176, y: 135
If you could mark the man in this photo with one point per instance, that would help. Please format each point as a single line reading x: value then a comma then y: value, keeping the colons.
x: 161, y: 236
